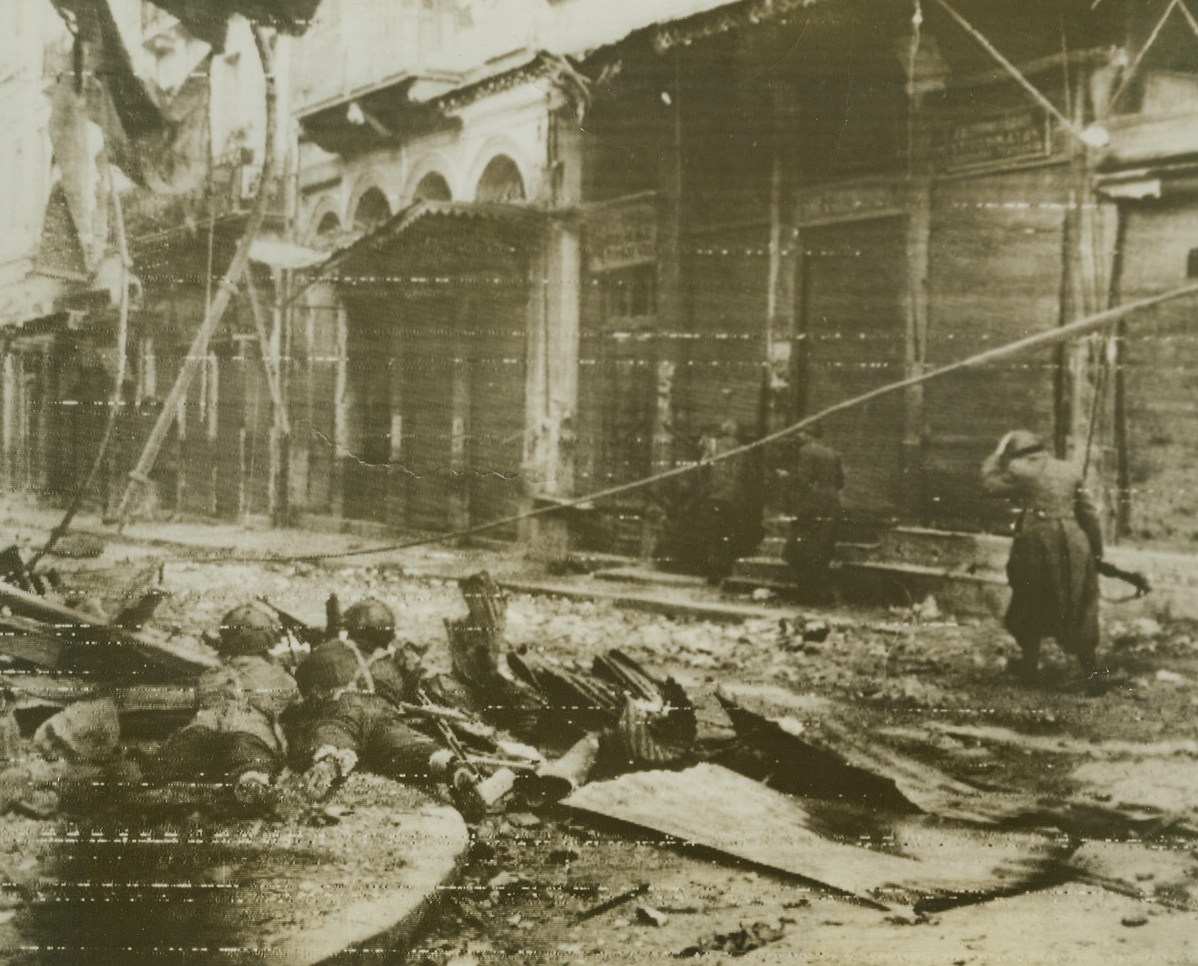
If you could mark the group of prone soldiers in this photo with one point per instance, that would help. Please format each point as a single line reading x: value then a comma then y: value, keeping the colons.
x: 343, y: 708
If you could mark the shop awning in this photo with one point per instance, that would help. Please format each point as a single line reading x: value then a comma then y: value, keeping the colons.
x: 475, y: 226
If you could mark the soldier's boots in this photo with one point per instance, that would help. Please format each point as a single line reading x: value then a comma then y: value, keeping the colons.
x: 329, y: 769
x: 254, y: 789
x: 466, y: 797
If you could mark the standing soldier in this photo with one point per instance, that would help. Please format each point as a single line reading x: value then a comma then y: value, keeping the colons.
x: 814, y: 503
x: 1053, y: 567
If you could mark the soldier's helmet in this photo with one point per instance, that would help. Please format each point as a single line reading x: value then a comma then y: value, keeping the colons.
x: 1021, y: 442
x: 370, y: 622
x: 247, y: 629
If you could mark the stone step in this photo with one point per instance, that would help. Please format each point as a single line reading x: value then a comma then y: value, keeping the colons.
x: 903, y: 585
x: 749, y: 569
x: 968, y: 552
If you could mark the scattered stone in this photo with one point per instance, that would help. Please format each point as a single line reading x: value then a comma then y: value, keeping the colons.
x: 650, y: 916
x: 816, y: 631
x: 1133, y: 921
x: 738, y: 943
x: 523, y: 820
x: 87, y: 731
x: 503, y: 880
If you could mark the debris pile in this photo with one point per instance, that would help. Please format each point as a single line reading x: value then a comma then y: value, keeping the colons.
x: 108, y: 714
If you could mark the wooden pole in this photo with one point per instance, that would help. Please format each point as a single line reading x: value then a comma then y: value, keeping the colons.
x: 1117, y: 360
x: 227, y: 286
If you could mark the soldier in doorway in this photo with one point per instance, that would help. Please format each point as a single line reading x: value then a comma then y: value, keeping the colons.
x: 728, y: 523
x: 813, y: 488
x: 1053, y: 566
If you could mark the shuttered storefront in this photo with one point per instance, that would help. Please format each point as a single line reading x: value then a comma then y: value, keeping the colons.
x: 851, y: 319
x: 1161, y: 372
x: 722, y: 352
x: 495, y: 347
x: 620, y: 347
x: 994, y: 276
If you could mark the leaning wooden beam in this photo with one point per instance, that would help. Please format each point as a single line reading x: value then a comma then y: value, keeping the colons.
x: 140, y: 474
x: 168, y: 655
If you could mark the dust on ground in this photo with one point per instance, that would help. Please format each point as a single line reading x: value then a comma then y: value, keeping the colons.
x: 917, y: 680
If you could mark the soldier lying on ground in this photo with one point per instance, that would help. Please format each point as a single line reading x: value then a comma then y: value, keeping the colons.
x: 235, y: 737
x: 349, y: 717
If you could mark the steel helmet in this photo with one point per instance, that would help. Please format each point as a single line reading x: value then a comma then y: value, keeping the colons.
x: 247, y: 629
x: 370, y: 622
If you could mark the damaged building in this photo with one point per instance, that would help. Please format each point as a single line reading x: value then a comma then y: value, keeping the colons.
x: 522, y: 253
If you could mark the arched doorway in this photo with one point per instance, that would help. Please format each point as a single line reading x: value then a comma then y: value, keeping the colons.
x: 500, y: 181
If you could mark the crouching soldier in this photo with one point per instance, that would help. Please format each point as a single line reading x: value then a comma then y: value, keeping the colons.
x: 349, y: 717
x: 235, y: 738
x: 814, y: 483
x: 1053, y: 566
x: 729, y: 517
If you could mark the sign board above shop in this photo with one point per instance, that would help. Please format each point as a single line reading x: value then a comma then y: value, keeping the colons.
x: 994, y: 141
x: 854, y: 201
x: 622, y: 234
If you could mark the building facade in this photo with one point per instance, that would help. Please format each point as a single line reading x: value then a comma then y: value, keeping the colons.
x: 524, y: 251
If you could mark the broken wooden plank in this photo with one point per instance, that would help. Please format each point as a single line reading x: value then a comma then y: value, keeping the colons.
x: 171, y: 655
x: 715, y: 808
x: 27, y: 640
x: 1168, y: 876
x: 827, y: 761
x: 59, y: 690
x: 476, y: 641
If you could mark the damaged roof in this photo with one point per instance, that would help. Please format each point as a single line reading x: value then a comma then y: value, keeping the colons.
x: 520, y: 218
x: 208, y: 20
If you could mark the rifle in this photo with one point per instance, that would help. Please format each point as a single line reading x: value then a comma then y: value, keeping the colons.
x: 303, y: 631
x: 1137, y: 580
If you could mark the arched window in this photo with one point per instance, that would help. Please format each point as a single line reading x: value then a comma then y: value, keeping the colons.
x: 432, y: 187
x: 329, y: 224
x: 372, y: 210
x: 500, y: 181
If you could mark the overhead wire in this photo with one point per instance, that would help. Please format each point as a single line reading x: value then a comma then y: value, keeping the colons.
x: 1081, y: 326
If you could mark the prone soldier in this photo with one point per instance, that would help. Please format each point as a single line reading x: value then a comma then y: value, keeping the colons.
x: 235, y: 737
x: 352, y: 686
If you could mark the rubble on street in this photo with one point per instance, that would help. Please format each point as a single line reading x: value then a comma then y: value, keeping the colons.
x: 721, y: 794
